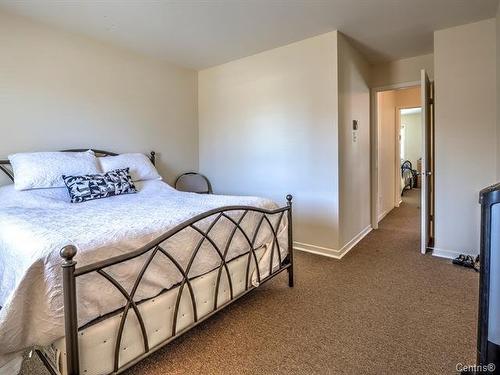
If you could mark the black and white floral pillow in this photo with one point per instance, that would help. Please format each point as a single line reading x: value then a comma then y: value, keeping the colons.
x: 95, y: 186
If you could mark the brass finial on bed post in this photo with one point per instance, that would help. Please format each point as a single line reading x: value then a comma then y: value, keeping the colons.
x: 70, y: 309
x: 68, y: 253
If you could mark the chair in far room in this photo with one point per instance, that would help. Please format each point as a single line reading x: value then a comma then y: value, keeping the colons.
x: 193, y: 182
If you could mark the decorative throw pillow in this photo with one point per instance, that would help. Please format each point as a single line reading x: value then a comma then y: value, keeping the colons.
x: 95, y: 186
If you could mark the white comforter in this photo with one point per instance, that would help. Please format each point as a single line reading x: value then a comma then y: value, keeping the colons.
x: 35, y: 225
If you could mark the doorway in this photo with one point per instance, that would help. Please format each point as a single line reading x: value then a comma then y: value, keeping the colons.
x: 402, y: 152
x: 409, y: 157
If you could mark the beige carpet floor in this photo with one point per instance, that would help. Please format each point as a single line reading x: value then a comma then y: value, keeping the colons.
x: 382, y: 309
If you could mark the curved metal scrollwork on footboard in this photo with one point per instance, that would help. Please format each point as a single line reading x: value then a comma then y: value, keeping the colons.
x: 156, y: 247
x: 7, y: 171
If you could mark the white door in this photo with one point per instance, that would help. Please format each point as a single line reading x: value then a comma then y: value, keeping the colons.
x: 425, y: 203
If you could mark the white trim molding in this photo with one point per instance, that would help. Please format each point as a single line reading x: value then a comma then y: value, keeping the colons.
x: 329, y: 252
x: 320, y: 250
x: 384, y: 214
x: 447, y: 254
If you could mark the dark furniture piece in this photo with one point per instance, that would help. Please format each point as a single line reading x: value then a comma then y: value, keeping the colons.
x: 409, y: 175
x: 488, y: 343
x: 194, y: 183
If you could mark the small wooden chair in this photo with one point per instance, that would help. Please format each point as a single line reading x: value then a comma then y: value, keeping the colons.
x: 194, y: 183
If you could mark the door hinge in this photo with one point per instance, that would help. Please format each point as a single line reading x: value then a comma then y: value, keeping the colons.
x: 431, y: 101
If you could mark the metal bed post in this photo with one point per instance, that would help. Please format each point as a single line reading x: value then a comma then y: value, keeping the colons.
x: 152, y: 157
x: 289, y: 198
x: 70, y: 312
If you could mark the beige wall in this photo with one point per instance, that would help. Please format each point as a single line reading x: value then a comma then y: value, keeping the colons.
x: 268, y: 126
x: 413, y: 137
x: 401, y: 71
x: 408, y: 97
x: 354, y: 149
x: 274, y: 123
x: 389, y: 102
x: 386, y: 119
x: 59, y: 90
x: 465, y: 75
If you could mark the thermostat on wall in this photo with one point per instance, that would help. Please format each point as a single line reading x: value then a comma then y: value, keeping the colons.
x: 354, y: 130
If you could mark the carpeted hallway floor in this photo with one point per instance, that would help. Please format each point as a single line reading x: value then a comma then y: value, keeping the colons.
x: 382, y: 309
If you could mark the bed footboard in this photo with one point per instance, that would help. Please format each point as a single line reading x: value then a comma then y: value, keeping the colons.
x: 273, y: 220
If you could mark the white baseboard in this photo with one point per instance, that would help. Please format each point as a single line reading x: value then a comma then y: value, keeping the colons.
x: 448, y: 254
x: 383, y: 214
x: 320, y: 250
x: 329, y: 252
x: 353, y: 242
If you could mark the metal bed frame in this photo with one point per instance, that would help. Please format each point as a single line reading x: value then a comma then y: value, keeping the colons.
x: 70, y: 273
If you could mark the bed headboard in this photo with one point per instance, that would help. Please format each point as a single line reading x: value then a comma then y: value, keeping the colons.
x: 5, y: 164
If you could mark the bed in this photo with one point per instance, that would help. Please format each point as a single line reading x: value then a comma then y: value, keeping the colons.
x: 96, y: 287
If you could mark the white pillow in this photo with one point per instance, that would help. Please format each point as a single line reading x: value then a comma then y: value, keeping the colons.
x: 141, y: 168
x: 45, y: 169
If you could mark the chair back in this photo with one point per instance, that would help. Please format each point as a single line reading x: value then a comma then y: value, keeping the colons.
x: 194, y: 183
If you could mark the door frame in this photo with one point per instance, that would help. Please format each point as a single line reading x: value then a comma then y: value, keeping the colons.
x: 428, y: 171
x: 397, y: 161
x: 374, y: 143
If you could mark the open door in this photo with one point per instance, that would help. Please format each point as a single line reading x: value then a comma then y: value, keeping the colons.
x: 427, y: 162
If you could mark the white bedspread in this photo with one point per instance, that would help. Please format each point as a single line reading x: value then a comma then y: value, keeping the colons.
x: 35, y: 225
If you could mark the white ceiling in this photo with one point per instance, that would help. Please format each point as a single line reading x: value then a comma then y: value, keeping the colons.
x: 203, y: 33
